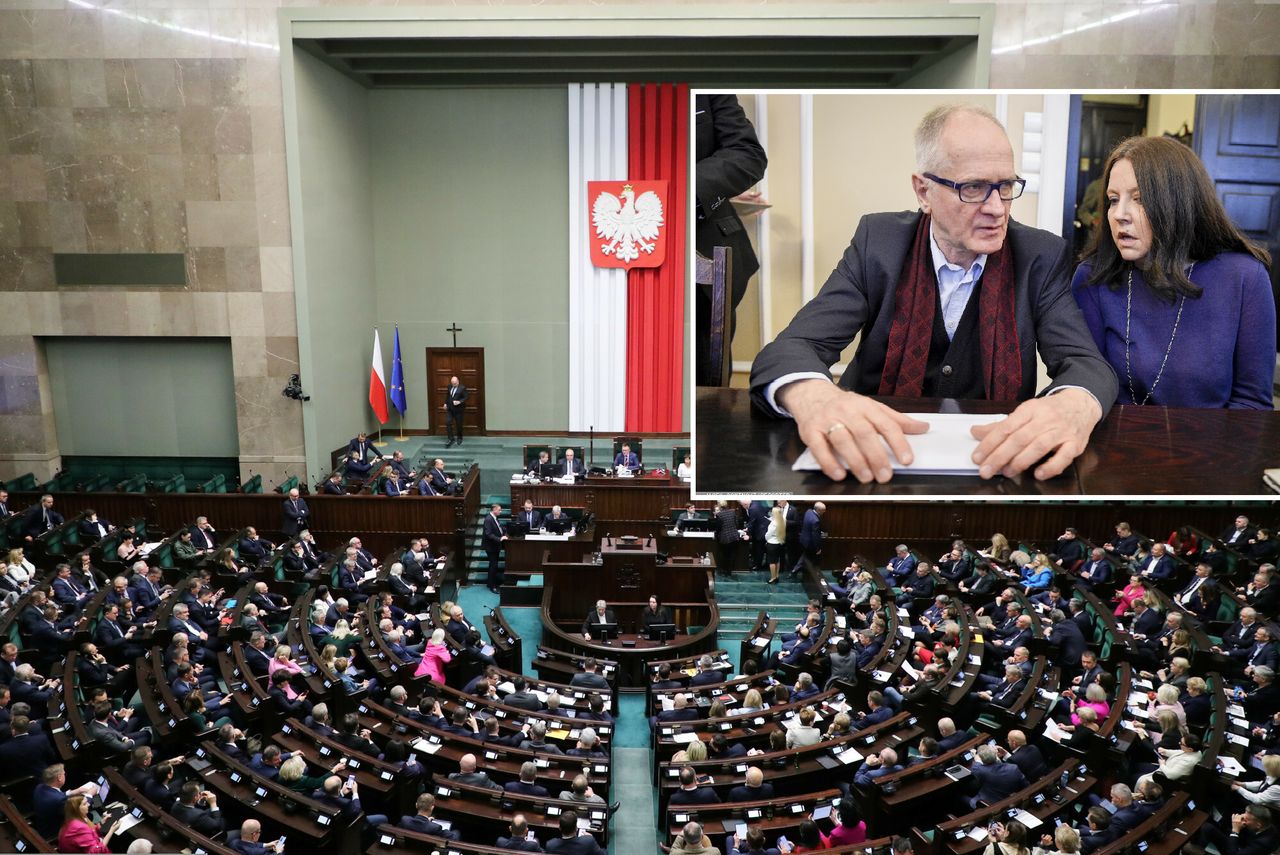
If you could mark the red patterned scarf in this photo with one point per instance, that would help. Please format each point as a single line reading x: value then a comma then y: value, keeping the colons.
x: 912, y: 331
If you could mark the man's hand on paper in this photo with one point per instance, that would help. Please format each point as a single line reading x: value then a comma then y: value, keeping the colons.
x: 1059, y: 424
x: 837, y: 424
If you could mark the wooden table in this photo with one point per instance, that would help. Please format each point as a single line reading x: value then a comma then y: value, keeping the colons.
x: 1134, y: 451
x: 644, y: 504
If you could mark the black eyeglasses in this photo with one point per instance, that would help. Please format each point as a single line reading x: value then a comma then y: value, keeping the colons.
x: 977, y: 192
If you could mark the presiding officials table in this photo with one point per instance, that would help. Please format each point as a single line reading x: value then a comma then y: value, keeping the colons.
x: 1134, y: 451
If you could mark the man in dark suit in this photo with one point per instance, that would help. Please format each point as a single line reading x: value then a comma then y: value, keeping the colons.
x: 690, y: 792
x: 1026, y: 757
x: 754, y: 789
x: 1239, y: 533
x: 996, y: 780
x: 1065, y: 635
x: 530, y: 518
x: 422, y: 822
x: 589, y: 677
x: 570, y: 465
x: 627, y: 459
x: 680, y: 711
x: 1006, y: 692
x: 1096, y: 570
x: 357, y: 468
x: 948, y: 736
x: 253, y: 548
x: 730, y: 160
x: 297, y: 515
x: 467, y: 774
x: 1253, y: 832
x: 5, y: 512
x: 898, y: 267
x: 362, y: 447
x: 1240, y: 635
x: 519, y: 839
x: 601, y: 615
x: 198, y: 809
x: 494, y: 536
x: 250, y: 840
x: 522, y: 698
x: 707, y: 673
x: 1265, y: 598
x: 571, y: 841
x: 1069, y: 551
x: 41, y: 518
x: 455, y: 398
x: 49, y: 800
x: 811, y: 536
x: 333, y: 485
x: 26, y: 748
x: 877, y: 766
x: 1262, y: 652
x: 441, y: 481
x: 527, y: 785
x: 1158, y: 565
x: 877, y: 711
x: 94, y: 529
x: 203, y: 535
x: 1146, y: 620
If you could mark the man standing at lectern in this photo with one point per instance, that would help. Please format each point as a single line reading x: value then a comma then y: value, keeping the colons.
x: 455, y: 397
x: 494, y: 535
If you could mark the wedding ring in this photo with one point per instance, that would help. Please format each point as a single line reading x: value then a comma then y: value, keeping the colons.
x: 835, y: 427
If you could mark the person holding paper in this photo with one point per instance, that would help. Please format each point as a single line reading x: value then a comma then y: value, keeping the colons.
x: 1178, y: 300
x: 953, y: 300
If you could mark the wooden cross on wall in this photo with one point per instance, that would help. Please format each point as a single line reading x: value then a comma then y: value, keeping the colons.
x: 455, y: 329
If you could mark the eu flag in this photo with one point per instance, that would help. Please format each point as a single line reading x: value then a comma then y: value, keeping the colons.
x: 397, y: 378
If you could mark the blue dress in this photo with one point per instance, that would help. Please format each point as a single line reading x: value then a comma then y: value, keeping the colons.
x: 1224, y: 354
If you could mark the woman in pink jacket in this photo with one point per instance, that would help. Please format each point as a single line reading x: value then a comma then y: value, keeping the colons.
x: 78, y: 834
x: 434, y: 657
x: 1133, y: 591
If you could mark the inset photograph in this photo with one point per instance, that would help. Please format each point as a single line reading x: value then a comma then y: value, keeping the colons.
x: 986, y: 293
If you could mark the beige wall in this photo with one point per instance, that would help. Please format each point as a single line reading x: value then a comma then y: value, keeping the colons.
x: 1166, y: 113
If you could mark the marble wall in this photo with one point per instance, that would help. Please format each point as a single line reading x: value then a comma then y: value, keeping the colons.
x: 156, y: 125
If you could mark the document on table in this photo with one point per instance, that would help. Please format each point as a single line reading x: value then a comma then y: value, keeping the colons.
x: 947, y: 449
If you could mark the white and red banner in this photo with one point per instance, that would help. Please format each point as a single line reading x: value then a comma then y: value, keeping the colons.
x: 628, y: 150
x: 378, y: 383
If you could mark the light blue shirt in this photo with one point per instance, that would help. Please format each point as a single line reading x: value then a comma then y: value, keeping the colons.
x: 955, y: 284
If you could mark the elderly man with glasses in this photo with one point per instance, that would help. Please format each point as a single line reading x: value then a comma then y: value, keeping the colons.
x: 951, y: 301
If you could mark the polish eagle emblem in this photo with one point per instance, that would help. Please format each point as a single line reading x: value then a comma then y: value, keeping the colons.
x: 627, y: 223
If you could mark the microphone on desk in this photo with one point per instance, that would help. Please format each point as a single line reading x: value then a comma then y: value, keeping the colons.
x: 608, y: 538
x: 649, y: 541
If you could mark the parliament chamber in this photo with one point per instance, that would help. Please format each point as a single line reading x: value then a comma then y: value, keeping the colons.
x: 199, y: 672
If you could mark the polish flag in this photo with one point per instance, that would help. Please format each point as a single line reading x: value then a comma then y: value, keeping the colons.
x: 378, y: 383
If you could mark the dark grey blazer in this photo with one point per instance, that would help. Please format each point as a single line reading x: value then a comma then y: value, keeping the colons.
x: 858, y: 297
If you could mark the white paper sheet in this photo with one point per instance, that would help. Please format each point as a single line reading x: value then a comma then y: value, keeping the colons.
x: 947, y: 449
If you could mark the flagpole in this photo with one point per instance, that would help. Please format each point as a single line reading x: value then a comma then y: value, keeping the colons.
x: 401, y: 437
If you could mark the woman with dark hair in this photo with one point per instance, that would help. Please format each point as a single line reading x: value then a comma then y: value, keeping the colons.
x: 809, y: 838
x: 1177, y: 299
x: 850, y: 828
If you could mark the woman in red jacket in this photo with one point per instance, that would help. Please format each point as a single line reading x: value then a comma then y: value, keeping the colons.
x: 78, y: 834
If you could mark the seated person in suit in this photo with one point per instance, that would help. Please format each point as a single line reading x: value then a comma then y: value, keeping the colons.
x: 754, y: 789
x: 421, y: 820
x: 995, y: 780
x: 877, y: 766
x: 467, y: 774
x: 690, y: 792
x: 94, y: 529
x: 599, y: 616
x: 250, y: 840
x: 589, y: 677
x: 557, y: 521
x: 520, y: 840
x: 357, y: 469
x: 572, y: 841
x: 627, y: 459
x: 690, y: 515
x: 401, y: 467
x: 527, y: 785
x: 569, y: 465
x: 333, y: 485
x: 254, y: 549
x: 531, y: 519
x: 441, y: 481
x: 393, y: 483
x: 198, y: 809
x: 896, y: 270
x: 542, y: 465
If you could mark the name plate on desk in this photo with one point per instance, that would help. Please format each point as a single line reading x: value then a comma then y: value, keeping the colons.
x: 564, y: 536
